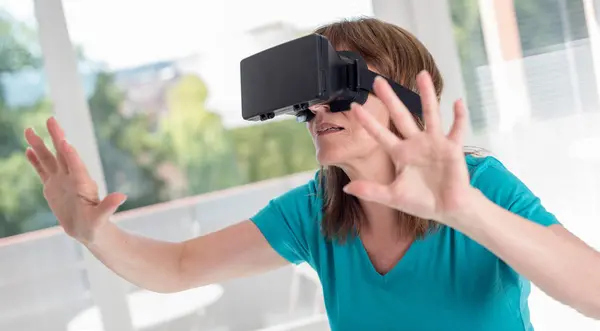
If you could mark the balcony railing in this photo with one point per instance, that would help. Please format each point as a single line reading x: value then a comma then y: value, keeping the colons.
x: 43, y: 278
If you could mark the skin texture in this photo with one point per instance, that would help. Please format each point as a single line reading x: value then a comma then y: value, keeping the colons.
x: 423, y: 174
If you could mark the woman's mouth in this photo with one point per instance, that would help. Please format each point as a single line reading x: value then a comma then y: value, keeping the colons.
x: 325, y: 129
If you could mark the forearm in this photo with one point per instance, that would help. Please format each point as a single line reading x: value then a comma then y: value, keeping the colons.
x: 145, y: 262
x: 563, y: 267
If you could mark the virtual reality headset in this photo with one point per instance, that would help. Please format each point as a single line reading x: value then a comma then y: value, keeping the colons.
x: 291, y: 77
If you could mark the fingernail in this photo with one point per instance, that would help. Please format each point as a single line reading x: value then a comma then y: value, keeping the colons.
x: 123, y: 201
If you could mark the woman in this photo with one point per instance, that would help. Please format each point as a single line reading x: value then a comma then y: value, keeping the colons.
x: 405, y: 230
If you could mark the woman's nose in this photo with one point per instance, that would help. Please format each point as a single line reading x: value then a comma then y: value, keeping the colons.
x: 319, y: 108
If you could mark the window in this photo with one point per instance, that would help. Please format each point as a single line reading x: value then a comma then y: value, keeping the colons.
x: 161, y: 81
x: 543, y: 66
x: 165, y: 98
x: 530, y: 73
x: 23, y: 102
x: 41, y: 279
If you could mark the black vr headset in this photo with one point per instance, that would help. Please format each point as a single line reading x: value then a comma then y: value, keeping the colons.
x: 289, y: 78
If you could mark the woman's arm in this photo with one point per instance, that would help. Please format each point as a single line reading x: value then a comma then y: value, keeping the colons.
x: 236, y: 251
x: 551, y: 257
x: 160, y: 266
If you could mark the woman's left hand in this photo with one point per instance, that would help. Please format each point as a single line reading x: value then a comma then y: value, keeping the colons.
x: 432, y: 179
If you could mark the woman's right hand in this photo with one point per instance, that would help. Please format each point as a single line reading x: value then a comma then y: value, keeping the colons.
x: 69, y: 190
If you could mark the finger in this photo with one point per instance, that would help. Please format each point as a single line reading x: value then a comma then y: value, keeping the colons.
x: 431, y: 112
x: 57, y: 134
x: 46, y: 158
x: 382, y: 134
x: 109, y: 205
x: 74, y: 163
x: 370, y: 191
x: 401, y: 117
x: 35, y: 162
x: 457, y: 130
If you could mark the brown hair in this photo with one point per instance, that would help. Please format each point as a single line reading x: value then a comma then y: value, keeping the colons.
x: 397, y: 54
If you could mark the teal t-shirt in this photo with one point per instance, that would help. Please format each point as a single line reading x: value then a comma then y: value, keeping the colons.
x: 445, y: 281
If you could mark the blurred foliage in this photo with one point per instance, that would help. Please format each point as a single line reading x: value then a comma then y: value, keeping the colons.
x: 274, y: 149
x: 17, y: 48
x: 129, y: 152
x: 149, y: 157
x: 21, y: 198
x: 199, y: 144
x: 158, y: 155
x: 16, y: 45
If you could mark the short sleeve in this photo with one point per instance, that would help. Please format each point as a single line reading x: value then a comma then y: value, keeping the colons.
x: 501, y: 186
x: 289, y: 222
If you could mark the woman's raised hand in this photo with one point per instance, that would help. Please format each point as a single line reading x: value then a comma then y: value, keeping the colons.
x: 68, y: 188
x: 432, y: 179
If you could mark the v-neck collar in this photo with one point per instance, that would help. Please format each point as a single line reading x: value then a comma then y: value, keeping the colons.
x: 405, y: 264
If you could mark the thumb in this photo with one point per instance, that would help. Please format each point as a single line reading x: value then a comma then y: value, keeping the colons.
x: 369, y: 191
x: 110, y: 204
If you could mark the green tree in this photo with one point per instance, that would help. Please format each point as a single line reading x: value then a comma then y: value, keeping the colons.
x: 199, y: 144
x: 16, y: 54
x: 129, y: 151
x: 22, y: 206
x: 17, y: 49
x: 274, y: 149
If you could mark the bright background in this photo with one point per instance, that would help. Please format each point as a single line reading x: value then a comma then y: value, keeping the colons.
x: 149, y: 92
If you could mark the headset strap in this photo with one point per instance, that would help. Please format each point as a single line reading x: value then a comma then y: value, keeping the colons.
x: 410, y: 99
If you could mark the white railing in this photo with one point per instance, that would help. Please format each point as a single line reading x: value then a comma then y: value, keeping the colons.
x: 43, y: 277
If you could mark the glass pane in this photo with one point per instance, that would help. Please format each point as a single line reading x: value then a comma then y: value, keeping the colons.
x: 42, y: 283
x: 23, y: 101
x: 164, y: 92
x: 162, y: 78
x: 529, y: 68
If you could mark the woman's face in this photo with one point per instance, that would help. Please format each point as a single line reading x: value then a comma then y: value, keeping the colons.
x: 339, y: 138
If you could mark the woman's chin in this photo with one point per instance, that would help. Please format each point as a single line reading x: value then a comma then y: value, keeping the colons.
x: 329, y: 158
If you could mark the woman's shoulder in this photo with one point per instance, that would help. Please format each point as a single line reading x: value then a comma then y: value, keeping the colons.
x: 485, y: 164
x: 490, y: 176
x: 288, y: 221
x: 300, y: 201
